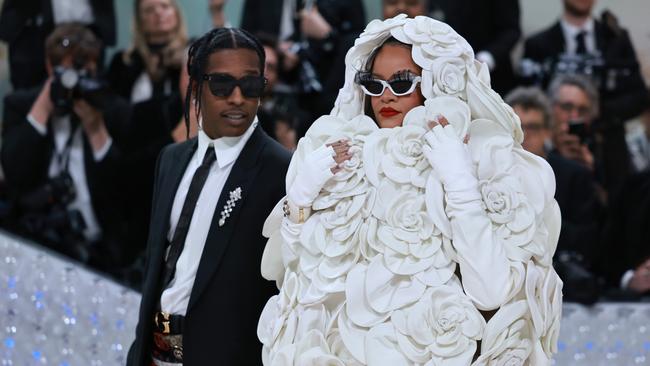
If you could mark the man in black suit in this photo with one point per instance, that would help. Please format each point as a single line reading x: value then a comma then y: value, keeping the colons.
x: 24, y: 25
x: 491, y: 27
x: 203, y: 291
x: 578, y: 36
x: 60, y: 162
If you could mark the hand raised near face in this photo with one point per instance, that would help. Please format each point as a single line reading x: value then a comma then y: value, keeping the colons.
x: 448, y: 155
x: 318, y: 167
x: 342, y: 153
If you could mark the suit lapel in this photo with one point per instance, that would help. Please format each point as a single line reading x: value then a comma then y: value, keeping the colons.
x: 558, y: 41
x: 241, y: 176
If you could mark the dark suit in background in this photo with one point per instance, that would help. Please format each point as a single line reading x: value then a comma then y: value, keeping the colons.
x: 488, y: 25
x: 229, y: 292
x: 625, y: 243
x: 25, y: 24
x: 576, y: 196
x: 147, y: 132
x: 621, y: 100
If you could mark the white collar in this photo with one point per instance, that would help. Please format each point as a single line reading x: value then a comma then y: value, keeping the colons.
x: 226, y: 148
x: 571, y: 30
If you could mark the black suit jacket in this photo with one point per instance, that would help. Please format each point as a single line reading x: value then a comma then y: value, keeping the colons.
x: 627, y: 99
x: 229, y: 292
x: 575, y: 194
x: 488, y: 25
x: 26, y: 157
x: 625, y: 243
x: 25, y: 25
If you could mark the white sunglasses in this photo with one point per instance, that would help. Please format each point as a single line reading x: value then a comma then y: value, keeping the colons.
x: 399, y: 87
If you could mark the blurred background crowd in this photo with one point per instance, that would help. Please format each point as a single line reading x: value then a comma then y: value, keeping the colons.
x: 84, y: 116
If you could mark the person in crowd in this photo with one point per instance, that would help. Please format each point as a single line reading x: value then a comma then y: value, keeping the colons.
x: 313, y: 38
x: 580, y: 42
x: 638, y: 142
x: 217, y: 13
x: 625, y: 244
x: 412, y: 8
x: 61, y: 164
x: 148, y: 74
x: 491, y: 27
x: 395, y: 218
x: 582, y: 135
x: 24, y: 25
x: 279, y: 112
x: 212, y: 194
x: 574, y: 192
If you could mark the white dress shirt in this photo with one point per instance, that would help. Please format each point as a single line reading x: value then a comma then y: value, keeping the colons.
x: 61, y: 130
x: 175, y: 298
x: 65, y: 11
x: 571, y: 31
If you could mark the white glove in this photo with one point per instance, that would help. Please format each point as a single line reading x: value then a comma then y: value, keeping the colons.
x: 450, y: 159
x: 315, y: 171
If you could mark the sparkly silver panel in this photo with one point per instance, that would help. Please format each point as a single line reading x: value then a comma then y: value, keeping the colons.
x: 54, y: 312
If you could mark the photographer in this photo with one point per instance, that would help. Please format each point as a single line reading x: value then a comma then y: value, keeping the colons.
x: 585, y: 136
x: 598, y: 48
x: 60, y: 162
x: 314, y: 37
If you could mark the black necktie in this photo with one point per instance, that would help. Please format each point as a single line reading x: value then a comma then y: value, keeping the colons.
x: 581, y: 46
x: 178, y: 240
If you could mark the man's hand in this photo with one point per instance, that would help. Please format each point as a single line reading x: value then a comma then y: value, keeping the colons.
x: 43, y: 107
x: 313, y: 25
x: 640, y: 282
x: 289, y: 58
x: 570, y: 147
x: 92, y: 122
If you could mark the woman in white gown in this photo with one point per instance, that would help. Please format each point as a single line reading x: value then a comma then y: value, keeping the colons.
x: 411, y: 242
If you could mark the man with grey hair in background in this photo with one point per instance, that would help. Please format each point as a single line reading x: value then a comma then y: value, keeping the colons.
x: 574, y: 192
x: 582, y: 134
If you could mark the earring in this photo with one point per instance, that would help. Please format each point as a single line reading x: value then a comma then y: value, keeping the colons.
x: 199, y: 122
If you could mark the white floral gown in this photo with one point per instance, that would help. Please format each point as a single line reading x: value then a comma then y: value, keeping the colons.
x: 389, y: 269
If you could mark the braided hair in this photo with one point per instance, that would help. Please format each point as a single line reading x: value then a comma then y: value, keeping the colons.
x: 201, y: 49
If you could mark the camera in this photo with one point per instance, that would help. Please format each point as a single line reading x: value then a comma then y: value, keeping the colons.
x: 541, y: 73
x: 69, y: 84
x: 580, y: 129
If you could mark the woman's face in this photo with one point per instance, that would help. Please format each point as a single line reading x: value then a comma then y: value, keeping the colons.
x: 389, y: 109
x: 157, y: 17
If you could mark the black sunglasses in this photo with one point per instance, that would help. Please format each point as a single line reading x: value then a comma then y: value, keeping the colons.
x: 222, y: 85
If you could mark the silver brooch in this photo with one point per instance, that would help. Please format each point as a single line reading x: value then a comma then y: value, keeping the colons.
x: 227, y: 209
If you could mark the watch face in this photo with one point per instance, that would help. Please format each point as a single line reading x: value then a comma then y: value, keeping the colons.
x: 69, y: 78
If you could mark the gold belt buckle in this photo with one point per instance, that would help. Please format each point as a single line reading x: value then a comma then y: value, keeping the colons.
x: 164, y: 322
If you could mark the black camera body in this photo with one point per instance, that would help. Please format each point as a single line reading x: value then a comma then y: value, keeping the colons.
x: 69, y: 84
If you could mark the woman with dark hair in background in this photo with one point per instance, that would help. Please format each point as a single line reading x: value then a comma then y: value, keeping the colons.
x: 148, y: 74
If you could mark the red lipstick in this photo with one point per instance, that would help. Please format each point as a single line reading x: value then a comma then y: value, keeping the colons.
x: 388, y: 112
